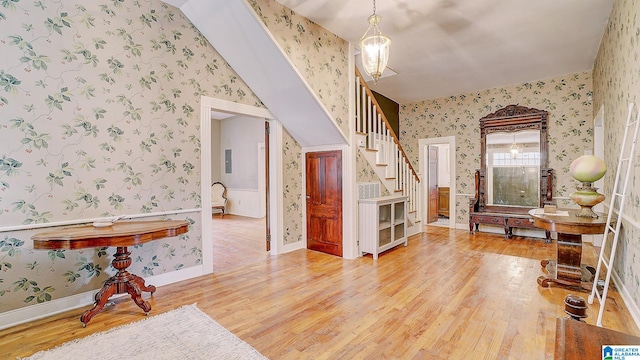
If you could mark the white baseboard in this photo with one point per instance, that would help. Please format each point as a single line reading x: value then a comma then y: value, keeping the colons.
x: 244, y: 202
x: 414, y: 229
x: 42, y: 310
x: 626, y: 298
x: 461, y: 226
x: 294, y: 246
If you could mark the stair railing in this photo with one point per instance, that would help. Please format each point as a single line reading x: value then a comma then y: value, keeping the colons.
x: 370, y: 121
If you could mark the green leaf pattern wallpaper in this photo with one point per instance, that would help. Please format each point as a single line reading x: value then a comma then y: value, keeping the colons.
x: 99, y: 107
x: 616, y: 81
x: 99, y: 116
x: 570, y: 126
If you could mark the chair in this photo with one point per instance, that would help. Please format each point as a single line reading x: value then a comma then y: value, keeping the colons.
x: 218, y: 197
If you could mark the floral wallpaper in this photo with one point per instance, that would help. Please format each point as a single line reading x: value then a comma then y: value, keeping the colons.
x: 292, y: 202
x: 616, y: 79
x: 570, y: 129
x: 366, y: 173
x: 322, y: 59
x: 99, y: 116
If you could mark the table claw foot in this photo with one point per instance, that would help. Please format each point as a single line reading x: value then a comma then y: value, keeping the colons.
x: 140, y: 282
x: 134, y: 290
x: 101, y: 298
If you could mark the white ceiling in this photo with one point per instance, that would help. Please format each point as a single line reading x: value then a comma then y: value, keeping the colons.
x: 449, y: 47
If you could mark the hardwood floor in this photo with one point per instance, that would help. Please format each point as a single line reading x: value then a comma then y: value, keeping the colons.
x: 448, y: 295
x: 237, y: 241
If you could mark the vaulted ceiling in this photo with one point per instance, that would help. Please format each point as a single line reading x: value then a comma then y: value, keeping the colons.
x: 448, y: 47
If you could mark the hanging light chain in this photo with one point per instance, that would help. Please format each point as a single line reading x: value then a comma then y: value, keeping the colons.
x: 374, y: 7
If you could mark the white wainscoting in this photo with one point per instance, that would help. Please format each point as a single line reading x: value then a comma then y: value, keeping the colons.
x: 245, y: 202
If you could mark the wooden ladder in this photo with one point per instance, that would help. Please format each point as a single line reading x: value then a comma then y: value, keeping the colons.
x: 617, y: 206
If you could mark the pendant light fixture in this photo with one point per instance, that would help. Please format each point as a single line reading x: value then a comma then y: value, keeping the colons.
x: 374, y: 48
x: 514, y: 148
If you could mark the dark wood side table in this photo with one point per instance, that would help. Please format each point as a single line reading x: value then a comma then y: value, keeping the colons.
x: 567, y: 269
x: 577, y: 340
x: 121, y: 235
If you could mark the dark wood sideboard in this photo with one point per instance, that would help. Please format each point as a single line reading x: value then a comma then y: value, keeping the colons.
x: 505, y: 216
x: 514, y: 176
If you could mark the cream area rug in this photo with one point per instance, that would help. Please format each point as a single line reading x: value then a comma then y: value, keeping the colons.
x: 184, y: 333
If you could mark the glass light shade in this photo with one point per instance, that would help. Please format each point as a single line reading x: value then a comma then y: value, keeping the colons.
x: 374, y: 49
x: 514, y: 151
x: 587, y: 168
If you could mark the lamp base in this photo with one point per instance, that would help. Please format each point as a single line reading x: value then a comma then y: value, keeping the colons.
x: 586, y: 212
x: 587, y: 197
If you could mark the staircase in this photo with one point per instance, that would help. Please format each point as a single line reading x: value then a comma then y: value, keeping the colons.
x: 380, y: 146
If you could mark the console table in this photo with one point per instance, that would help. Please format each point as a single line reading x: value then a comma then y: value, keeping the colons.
x: 121, y: 235
x: 567, y: 269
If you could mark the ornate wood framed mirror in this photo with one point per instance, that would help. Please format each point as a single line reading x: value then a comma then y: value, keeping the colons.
x: 513, y: 177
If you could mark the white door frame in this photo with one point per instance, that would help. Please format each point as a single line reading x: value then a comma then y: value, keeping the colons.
x: 207, y: 106
x: 423, y: 144
x: 598, y: 150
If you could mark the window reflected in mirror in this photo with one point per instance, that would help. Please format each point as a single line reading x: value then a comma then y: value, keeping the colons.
x: 513, y: 168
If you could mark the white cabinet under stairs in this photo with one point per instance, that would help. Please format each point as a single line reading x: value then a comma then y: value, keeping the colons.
x: 382, y: 224
x: 414, y: 223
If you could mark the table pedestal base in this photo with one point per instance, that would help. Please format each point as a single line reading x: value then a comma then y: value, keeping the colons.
x: 568, y: 270
x: 584, y: 282
x: 122, y: 282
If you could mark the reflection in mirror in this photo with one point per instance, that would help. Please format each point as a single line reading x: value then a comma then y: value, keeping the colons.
x: 513, y: 168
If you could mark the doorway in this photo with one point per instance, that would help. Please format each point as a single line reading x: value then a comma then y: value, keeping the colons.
x: 209, y: 108
x: 437, y: 164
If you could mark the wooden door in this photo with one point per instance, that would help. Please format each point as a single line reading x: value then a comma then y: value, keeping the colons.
x: 432, y: 212
x: 324, y: 201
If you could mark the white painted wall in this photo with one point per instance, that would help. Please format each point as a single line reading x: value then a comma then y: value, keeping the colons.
x: 243, y: 135
x: 444, y: 172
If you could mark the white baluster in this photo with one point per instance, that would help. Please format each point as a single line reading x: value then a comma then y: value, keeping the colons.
x: 387, y: 152
x: 369, y: 122
x: 358, y: 111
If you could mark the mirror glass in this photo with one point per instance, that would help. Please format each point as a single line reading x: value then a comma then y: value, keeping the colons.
x: 513, y: 168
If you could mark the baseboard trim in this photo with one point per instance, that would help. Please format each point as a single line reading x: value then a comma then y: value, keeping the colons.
x: 42, y: 310
x: 627, y: 298
x: 294, y: 246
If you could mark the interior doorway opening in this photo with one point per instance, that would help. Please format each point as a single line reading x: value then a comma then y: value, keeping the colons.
x: 437, y: 165
x: 213, y: 110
